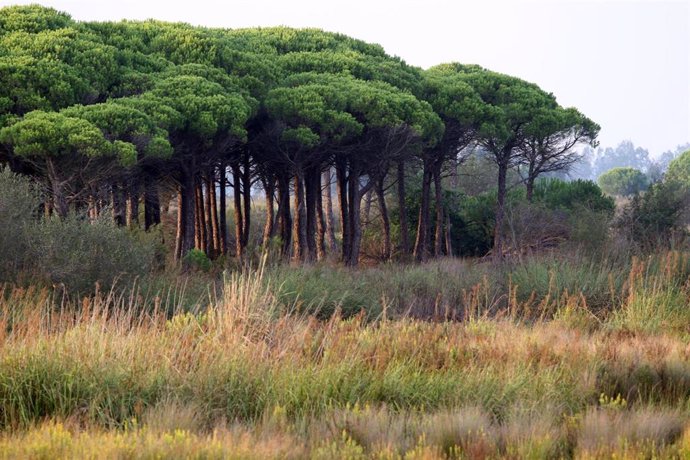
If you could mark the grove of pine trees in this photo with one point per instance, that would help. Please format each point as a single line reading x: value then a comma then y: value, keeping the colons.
x: 105, y: 115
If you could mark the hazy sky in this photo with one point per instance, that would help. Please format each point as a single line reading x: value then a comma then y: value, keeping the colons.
x: 624, y: 64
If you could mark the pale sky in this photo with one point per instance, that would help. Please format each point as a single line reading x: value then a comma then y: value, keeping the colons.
x: 625, y: 64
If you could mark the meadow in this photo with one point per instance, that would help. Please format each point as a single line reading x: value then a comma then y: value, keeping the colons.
x: 558, y: 356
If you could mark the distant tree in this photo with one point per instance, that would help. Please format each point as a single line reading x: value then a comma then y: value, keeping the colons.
x: 550, y: 141
x: 623, y: 155
x: 623, y: 181
x: 678, y: 172
x: 510, y: 106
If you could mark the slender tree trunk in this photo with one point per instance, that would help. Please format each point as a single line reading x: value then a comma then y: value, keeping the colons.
x: 59, y: 203
x: 179, y: 234
x: 47, y: 207
x: 438, y: 203
x: 500, y: 211
x: 284, y: 216
x: 133, y: 194
x: 223, y: 220
x: 368, y: 198
x: 269, y: 190
x: 247, y: 200
x: 384, y: 219
x: 328, y: 213
x: 449, y: 242
x: 355, y: 221
x: 117, y: 200
x: 402, y: 209
x: 342, y: 189
x: 91, y: 207
x: 239, y: 218
x: 529, y: 186
x: 320, y: 218
x: 186, y: 211
x: 421, y: 244
x: 310, y: 191
x: 201, y: 218
x: 212, y: 214
x: 299, y: 228
x: 152, y: 207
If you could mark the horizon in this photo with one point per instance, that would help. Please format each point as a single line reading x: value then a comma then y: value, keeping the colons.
x: 631, y: 75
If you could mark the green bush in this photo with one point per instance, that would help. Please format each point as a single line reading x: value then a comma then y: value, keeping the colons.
x: 654, y: 218
x: 73, y: 253
x: 559, y: 194
x: 76, y: 253
x: 197, y: 259
x: 623, y: 181
x: 19, y: 205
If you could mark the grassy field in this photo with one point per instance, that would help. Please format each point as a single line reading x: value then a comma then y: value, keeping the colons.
x: 553, y: 357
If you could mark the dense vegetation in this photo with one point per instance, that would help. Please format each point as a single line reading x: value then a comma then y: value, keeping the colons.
x: 111, y: 113
x: 498, y: 312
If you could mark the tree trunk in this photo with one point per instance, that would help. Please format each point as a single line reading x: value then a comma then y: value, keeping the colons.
x: 59, y: 201
x: 310, y: 191
x: 384, y: 219
x: 402, y: 209
x: 47, y: 207
x: 320, y: 219
x: 247, y: 200
x: 355, y: 222
x: 117, y: 201
x: 449, y: 242
x: 92, y: 212
x: 179, y: 234
x: 529, y: 186
x: 500, y: 211
x: 299, y: 228
x: 342, y: 190
x: 202, y: 224
x: 132, y: 211
x: 328, y: 213
x: 284, y: 216
x: 368, y: 198
x: 152, y: 207
x: 186, y: 213
x: 438, y: 203
x: 421, y: 243
x: 222, y: 221
x: 212, y: 214
x: 269, y: 190
x: 239, y: 220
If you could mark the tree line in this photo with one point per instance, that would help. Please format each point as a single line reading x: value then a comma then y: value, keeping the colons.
x: 103, y: 113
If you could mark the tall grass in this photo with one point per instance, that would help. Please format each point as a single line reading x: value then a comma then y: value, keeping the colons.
x: 118, y: 375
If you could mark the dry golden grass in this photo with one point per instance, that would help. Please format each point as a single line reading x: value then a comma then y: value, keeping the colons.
x: 105, y: 379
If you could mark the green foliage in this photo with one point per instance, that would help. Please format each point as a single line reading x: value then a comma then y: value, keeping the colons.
x: 559, y: 194
x: 19, y: 205
x: 72, y: 253
x: 678, y: 173
x: 623, y: 181
x: 198, y: 260
x: 53, y: 135
x: 655, y: 217
x: 76, y: 254
x: 32, y: 18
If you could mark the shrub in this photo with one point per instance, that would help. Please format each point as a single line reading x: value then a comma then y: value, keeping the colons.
x: 574, y: 195
x: 623, y: 181
x: 73, y: 253
x: 77, y: 254
x: 654, y: 218
x: 19, y: 204
x: 197, y: 259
